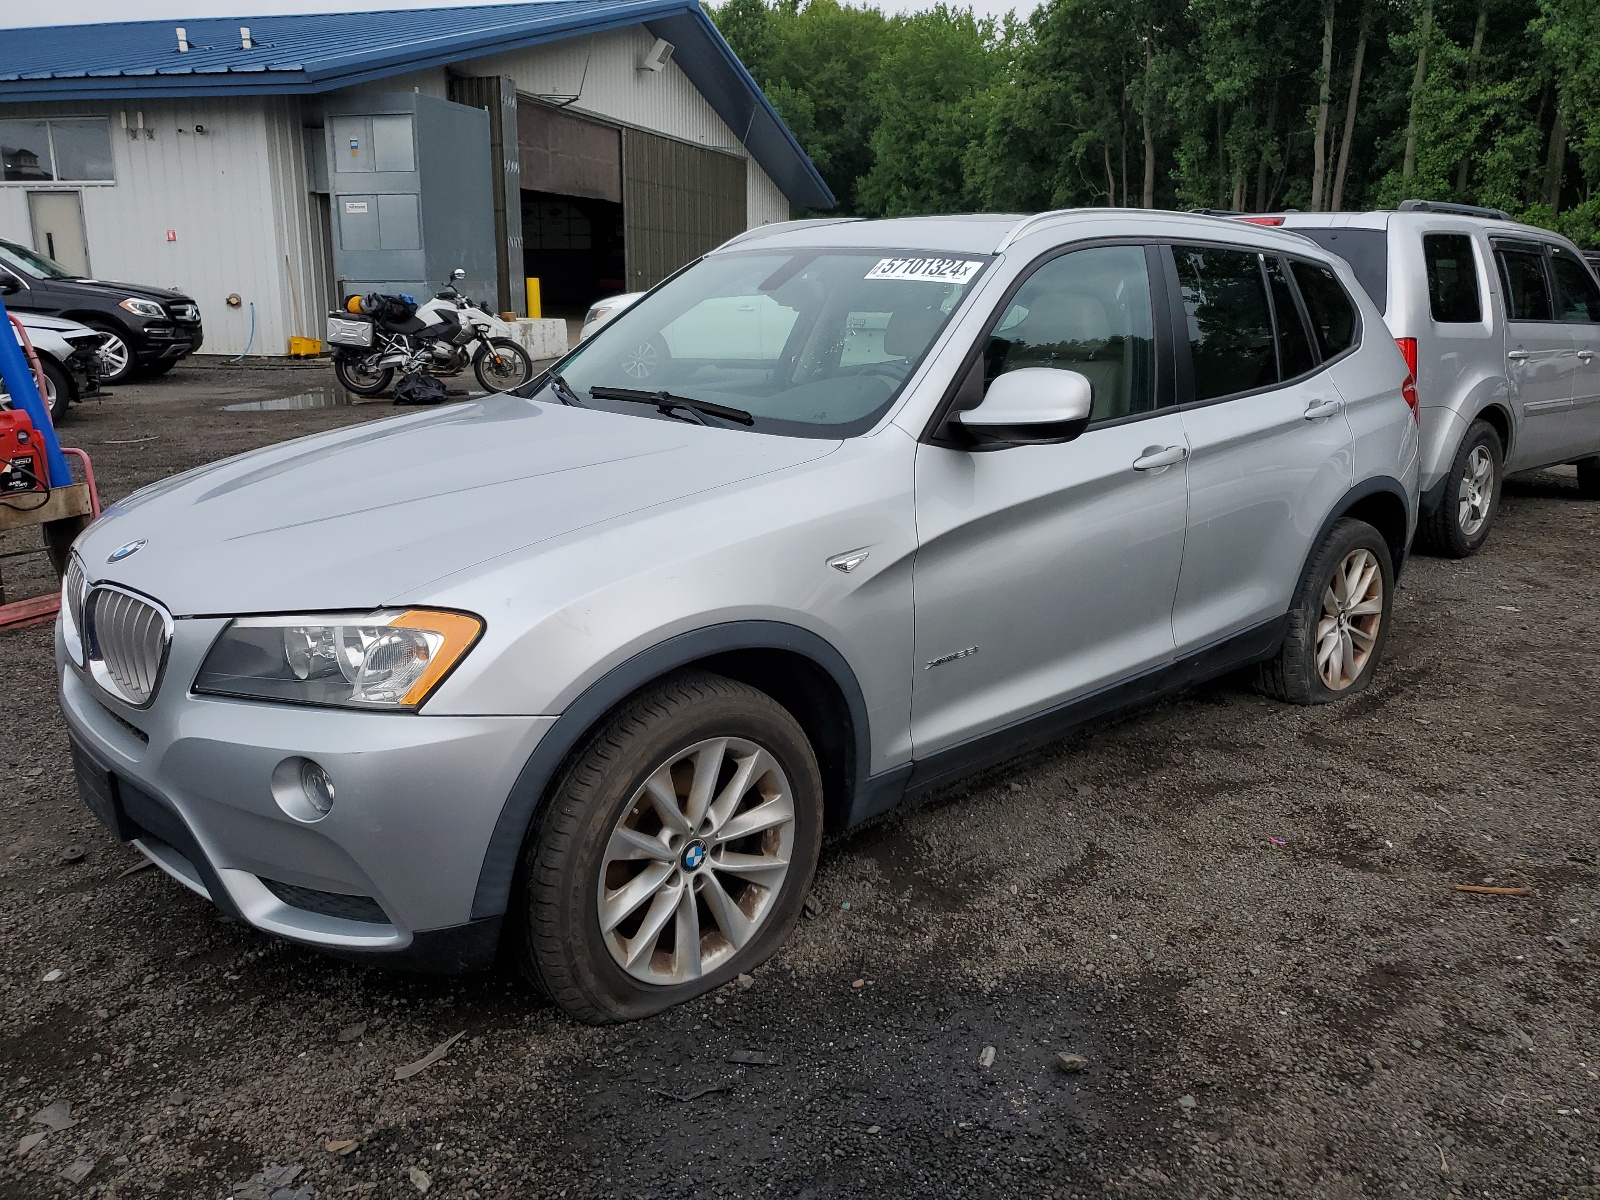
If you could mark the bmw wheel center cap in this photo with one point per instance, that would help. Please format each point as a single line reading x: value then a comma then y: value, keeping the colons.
x: 126, y: 550
x: 693, y: 855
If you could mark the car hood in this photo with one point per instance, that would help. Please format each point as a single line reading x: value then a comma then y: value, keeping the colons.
x: 368, y: 516
x: 33, y: 321
x: 100, y: 288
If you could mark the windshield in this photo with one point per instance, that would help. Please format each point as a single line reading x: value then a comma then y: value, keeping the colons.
x: 29, y: 263
x: 807, y: 343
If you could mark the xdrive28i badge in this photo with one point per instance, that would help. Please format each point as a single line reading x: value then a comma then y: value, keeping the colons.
x: 126, y: 550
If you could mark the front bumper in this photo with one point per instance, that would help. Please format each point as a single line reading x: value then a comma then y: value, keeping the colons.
x: 389, y: 872
x: 161, y: 340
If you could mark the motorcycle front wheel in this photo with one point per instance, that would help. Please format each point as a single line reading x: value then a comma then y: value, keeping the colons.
x: 363, y: 376
x: 502, y: 365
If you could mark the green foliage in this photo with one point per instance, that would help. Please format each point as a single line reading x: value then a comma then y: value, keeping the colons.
x: 940, y: 111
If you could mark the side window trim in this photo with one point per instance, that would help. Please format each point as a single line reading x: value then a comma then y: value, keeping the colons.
x: 1286, y: 265
x: 960, y: 386
x: 1299, y: 314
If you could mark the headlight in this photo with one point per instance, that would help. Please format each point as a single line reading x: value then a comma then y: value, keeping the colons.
x: 596, y: 313
x: 144, y: 308
x: 387, y: 660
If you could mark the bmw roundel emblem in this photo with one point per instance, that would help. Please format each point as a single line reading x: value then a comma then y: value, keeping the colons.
x: 126, y: 550
x: 694, y: 856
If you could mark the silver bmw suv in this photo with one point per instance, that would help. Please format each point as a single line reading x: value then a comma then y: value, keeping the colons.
x: 835, y: 515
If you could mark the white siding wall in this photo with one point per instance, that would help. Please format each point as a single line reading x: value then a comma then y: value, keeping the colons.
x: 215, y: 190
x: 767, y: 203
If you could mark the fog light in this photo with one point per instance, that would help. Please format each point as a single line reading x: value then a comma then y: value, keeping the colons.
x: 314, y: 782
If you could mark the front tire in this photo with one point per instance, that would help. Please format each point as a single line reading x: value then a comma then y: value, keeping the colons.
x: 674, y: 854
x: 502, y: 366
x: 1338, y: 622
x: 60, y: 392
x: 1460, y: 525
x: 363, y: 376
x: 117, y: 361
x: 1588, y: 478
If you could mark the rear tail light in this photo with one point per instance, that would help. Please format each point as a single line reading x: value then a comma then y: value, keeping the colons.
x: 1408, y: 389
x: 1262, y: 220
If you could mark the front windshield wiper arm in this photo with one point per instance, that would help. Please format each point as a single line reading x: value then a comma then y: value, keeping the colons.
x: 669, y: 403
x: 564, y: 392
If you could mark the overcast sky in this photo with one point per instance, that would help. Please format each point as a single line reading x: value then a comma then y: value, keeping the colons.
x: 75, y: 12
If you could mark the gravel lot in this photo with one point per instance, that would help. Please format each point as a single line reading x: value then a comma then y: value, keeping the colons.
x: 1240, y: 914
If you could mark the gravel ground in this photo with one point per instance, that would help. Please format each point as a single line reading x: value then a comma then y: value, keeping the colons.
x: 1240, y: 914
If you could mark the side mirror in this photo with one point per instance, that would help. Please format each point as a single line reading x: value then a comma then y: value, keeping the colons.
x: 1036, y: 406
x: 458, y: 273
x: 10, y: 285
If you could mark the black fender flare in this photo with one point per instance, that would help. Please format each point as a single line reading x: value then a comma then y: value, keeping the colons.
x: 1373, y: 486
x: 580, y: 717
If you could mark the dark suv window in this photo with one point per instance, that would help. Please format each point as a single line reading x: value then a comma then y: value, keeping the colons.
x: 1294, y: 346
x: 1230, y: 324
x: 1452, y: 278
x: 1527, y: 290
x: 1577, y: 296
x: 1088, y: 311
x: 1333, y: 315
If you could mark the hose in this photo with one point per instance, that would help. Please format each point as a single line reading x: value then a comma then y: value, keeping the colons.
x: 252, y: 340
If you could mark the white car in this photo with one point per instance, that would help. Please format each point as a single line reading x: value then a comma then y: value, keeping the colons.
x: 603, y: 310
x: 67, y: 354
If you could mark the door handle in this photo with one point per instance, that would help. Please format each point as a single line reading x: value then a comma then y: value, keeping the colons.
x: 1322, y: 408
x: 1156, y: 459
x: 1585, y: 355
x: 1517, y: 355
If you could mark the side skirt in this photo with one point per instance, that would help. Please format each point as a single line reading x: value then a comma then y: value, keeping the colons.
x: 880, y: 793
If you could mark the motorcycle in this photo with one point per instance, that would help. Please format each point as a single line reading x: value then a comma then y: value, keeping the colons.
x: 379, y: 336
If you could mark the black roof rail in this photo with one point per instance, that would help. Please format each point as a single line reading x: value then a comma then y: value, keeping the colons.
x: 1459, y: 210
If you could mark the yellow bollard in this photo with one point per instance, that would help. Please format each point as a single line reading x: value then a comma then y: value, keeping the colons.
x: 535, y: 310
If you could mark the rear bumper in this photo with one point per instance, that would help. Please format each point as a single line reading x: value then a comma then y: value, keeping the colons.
x: 389, y: 874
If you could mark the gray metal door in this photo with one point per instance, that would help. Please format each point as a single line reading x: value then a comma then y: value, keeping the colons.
x: 678, y: 201
x: 58, y: 229
x: 1046, y: 572
x: 1541, y: 358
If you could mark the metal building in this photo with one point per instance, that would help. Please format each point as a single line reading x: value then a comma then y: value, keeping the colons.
x: 285, y: 162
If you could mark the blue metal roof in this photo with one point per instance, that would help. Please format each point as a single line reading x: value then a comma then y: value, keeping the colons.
x: 320, y: 52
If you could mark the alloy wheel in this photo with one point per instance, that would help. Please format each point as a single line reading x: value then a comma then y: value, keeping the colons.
x: 696, y: 862
x: 1476, y: 493
x: 114, y: 356
x: 1352, y: 610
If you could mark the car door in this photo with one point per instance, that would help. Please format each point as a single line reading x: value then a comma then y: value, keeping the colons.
x: 1045, y: 573
x: 1541, y: 358
x: 1270, y: 451
x: 1577, y: 304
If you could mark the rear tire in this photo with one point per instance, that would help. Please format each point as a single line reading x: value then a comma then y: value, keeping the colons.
x: 1588, y: 478
x: 1338, y: 621
x: 363, y: 383
x: 620, y: 836
x: 1460, y: 525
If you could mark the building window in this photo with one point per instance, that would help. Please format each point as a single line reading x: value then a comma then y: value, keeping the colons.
x: 57, y: 150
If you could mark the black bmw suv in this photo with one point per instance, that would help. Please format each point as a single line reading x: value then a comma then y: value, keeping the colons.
x: 147, y: 329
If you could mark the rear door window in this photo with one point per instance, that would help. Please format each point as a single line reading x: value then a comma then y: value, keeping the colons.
x: 1230, y: 322
x: 1577, y: 296
x: 1333, y: 314
x: 1527, y: 289
x: 1367, y: 252
x: 1294, y: 345
x: 1452, y: 278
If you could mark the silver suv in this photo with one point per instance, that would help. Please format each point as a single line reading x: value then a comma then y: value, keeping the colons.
x: 1501, y: 325
x: 837, y: 514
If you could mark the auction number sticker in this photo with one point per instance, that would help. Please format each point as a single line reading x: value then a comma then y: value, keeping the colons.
x: 926, y: 270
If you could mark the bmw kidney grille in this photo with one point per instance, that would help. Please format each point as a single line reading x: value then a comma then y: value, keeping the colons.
x: 127, y: 643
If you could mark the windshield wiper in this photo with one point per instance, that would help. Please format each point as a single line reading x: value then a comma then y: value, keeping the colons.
x: 668, y: 404
x: 564, y: 392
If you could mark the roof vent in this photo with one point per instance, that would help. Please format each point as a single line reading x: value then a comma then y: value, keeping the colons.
x: 183, y: 40
x: 246, y: 42
x: 657, y: 56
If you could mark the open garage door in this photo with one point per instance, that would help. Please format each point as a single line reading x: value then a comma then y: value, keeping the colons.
x: 678, y: 201
x: 572, y: 225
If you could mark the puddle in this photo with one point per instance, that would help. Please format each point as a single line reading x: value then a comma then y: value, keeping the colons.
x: 317, y: 397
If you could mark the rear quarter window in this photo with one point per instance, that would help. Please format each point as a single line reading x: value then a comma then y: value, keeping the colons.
x: 1332, y: 312
x: 1453, y: 296
x: 1367, y: 252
